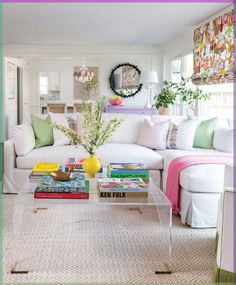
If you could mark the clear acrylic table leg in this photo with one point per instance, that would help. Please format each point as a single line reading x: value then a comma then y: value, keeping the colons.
x: 18, y: 216
x: 165, y: 221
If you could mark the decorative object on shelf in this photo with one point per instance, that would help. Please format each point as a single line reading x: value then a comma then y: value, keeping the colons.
x: 89, y: 88
x: 130, y: 110
x: 125, y: 80
x: 115, y: 100
x: 165, y: 98
x: 94, y: 132
x: 213, y: 52
x: 149, y: 78
x: 187, y: 93
x: 165, y: 111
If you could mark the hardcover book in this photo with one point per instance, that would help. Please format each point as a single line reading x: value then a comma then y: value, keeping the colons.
x: 127, y: 167
x: 76, y: 163
x: 44, y: 168
x: 34, y: 177
x: 123, y: 194
x: 76, y: 188
x: 127, y: 170
x: 122, y: 185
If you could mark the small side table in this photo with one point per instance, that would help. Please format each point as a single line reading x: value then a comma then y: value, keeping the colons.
x: 131, y: 110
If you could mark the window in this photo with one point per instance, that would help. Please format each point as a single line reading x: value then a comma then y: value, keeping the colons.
x: 181, y: 67
x: 49, y: 87
x: 43, y: 84
x: 220, y: 103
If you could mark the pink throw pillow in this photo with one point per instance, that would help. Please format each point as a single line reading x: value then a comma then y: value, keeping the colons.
x: 153, y: 135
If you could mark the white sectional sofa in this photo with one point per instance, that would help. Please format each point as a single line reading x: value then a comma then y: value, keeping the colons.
x: 201, y: 185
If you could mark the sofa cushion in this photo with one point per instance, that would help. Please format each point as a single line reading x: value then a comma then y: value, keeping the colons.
x: 153, y: 135
x: 42, y: 130
x: 111, y: 152
x: 170, y: 154
x: 204, y: 134
x: 205, y: 178
x: 223, y: 139
x: 23, y: 138
x: 129, y: 129
x: 66, y: 120
x: 181, y: 135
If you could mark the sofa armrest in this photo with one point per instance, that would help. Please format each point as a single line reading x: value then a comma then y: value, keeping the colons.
x: 9, y: 156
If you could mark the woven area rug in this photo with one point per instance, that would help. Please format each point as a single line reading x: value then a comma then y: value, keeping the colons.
x: 64, y: 245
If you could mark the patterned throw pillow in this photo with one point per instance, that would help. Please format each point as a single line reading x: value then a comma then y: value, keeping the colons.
x: 72, y: 122
x: 181, y: 135
x: 172, y: 138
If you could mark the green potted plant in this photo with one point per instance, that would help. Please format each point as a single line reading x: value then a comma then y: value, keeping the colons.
x: 189, y: 95
x: 165, y: 98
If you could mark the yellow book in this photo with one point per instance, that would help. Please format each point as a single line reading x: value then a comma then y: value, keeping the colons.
x: 45, y: 167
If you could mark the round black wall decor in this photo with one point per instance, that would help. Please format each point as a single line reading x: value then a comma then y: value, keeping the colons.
x: 125, y: 80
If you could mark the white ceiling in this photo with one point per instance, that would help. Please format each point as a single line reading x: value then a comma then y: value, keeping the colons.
x: 101, y: 23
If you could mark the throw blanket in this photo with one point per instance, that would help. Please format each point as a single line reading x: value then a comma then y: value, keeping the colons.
x: 180, y: 163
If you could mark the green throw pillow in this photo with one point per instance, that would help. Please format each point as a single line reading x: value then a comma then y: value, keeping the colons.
x: 42, y: 130
x: 204, y: 134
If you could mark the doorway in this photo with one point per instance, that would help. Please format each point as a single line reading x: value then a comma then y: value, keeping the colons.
x: 19, y: 95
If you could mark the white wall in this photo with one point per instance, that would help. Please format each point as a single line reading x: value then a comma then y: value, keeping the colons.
x: 105, y: 64
x: 64, y: 58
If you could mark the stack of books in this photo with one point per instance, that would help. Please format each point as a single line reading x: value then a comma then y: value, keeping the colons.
x: 76, y: 164
x: 42, y: 169
x: 127, y: 170
x: 76, y: 188
x: 122, y: 188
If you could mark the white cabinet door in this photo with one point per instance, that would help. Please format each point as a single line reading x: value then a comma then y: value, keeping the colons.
x: 53, y: 81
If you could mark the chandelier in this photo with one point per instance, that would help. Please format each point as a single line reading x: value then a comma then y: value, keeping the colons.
x: 83, y: 75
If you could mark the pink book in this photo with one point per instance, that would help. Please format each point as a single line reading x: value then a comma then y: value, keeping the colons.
x: 74, y: 162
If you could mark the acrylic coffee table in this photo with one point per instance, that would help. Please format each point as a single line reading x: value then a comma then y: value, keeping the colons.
x: 26, y: 208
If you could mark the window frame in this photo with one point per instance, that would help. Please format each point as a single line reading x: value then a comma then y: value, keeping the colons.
x: 181, y: 111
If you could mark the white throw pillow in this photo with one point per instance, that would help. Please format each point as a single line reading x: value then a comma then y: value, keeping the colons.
x: 129, y: 129
x: 153, y: 135
x: 181, y: 135
x: 66, y: 120
x: 23, y: 138
x: 223, y: 139
x: 127, y: 132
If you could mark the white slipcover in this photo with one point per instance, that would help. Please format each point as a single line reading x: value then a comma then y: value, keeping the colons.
x: 225, y: 223
x: 24, y: 140
x: 108, y: 153
x: 200, y: 185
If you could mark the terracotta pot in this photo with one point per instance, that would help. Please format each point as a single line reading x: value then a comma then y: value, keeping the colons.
x: 165, y: 111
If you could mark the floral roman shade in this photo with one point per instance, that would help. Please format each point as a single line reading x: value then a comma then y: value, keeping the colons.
x: 213, y: 52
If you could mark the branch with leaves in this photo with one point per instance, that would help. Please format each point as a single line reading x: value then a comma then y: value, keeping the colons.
x: 188, y: 94
x: 184, y: 89
x: 94, y: 131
